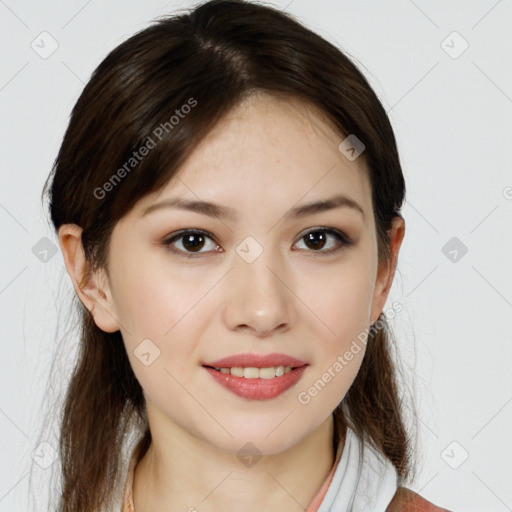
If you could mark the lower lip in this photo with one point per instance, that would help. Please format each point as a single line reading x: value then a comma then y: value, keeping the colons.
x: 257, y: 389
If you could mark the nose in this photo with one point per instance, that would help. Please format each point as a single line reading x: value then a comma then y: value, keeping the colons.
x: 258, y: 300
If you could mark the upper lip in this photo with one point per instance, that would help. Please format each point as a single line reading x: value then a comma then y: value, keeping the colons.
x: 256, y: 361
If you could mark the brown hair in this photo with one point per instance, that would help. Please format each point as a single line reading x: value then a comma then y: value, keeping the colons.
x: 211, y: 57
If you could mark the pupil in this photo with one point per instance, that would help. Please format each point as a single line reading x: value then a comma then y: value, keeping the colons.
x: 189, y: 242
x: 316, y: 239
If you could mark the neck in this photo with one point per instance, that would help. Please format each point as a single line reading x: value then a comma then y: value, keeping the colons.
x: 180, y: 472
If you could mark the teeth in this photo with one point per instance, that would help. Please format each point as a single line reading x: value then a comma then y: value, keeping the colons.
x: 251, y: 373
x: 237, y: 371
x: 267, y: 373
x: 256, y: 373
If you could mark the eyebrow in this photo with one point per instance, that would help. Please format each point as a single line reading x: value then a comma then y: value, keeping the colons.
x: 224, y: 212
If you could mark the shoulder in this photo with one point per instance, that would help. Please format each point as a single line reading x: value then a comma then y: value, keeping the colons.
x: 406, y: 500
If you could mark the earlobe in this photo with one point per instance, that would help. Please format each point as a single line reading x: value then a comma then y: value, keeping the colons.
x: 92, y: 287
x: 386, y: 273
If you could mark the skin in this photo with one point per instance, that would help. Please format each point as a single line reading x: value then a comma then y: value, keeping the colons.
x: 264, y: 158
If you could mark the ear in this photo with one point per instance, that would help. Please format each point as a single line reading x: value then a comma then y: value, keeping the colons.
x: 386, y: 272
x: 92, y: 288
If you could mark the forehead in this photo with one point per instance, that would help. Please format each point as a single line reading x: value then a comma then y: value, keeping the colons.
x: 266, y: 152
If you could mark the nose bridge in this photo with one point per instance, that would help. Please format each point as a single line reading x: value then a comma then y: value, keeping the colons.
x: 258, y: 297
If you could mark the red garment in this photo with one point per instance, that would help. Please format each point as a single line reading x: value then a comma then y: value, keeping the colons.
x: 406, y: 500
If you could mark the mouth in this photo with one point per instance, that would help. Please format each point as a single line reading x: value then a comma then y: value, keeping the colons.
x: 255, y: 383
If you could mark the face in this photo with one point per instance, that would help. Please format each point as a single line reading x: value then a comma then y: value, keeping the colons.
x: 254, y: 275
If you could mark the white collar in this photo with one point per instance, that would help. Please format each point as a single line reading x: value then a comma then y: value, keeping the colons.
x: 364, y: 480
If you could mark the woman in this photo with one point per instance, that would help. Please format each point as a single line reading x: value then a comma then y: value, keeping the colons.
x: 227, y: 201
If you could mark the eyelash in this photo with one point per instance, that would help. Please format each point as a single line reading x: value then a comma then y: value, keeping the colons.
x: 344, y: 241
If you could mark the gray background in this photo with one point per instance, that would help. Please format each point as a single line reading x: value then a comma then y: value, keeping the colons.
x: 451, y: 113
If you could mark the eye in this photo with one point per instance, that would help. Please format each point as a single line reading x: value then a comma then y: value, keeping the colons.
x: 191, y: 241
x: 318, y: 239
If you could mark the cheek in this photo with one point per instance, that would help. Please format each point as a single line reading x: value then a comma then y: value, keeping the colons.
x: 340, y: 298
x: 169, y: 306
x: 343, y: 305
x: 158, y: 328
x: 152, y: 299
x: 333, y: 375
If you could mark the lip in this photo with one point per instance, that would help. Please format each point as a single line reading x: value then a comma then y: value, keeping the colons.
x: 257, y: 389
x: 257, y: 361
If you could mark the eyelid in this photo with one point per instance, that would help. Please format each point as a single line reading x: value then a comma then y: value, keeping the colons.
x: 327, y: 229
